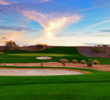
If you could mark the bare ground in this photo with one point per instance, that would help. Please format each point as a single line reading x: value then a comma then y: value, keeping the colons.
x: 57, y: 64
x: 86, y: 51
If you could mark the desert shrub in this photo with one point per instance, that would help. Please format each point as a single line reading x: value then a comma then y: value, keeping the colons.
x: 63, y: 60
x: 83, y: 61
x: 96, y: 49
x: 109, y: 54
x: 45, y: 44
x: 75, y: 61
x: 90, y: 63
x: 39, y: 46
x: 95, y: 62
x: 90, y: 60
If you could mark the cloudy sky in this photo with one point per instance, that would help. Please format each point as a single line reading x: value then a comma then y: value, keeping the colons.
x: 55, y: 22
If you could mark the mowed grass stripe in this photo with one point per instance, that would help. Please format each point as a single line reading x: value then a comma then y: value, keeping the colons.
x: 94, y: 86
x: 59, y: 91
x: 43, y: 54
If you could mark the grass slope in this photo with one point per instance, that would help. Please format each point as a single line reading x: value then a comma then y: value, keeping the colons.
x: 57, y: 53
x: 95, y: 86
x: 59, y: 91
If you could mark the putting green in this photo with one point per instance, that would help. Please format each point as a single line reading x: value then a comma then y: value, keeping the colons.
x: 43, y: 54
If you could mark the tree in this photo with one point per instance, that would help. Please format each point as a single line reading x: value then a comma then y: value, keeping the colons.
x: 11, y: 44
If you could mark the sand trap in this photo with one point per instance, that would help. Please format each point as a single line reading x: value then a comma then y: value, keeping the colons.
x: 36, y: 72
x: 44, y: 58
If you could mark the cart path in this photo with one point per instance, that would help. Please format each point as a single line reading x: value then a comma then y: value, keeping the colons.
x: 57, y: 64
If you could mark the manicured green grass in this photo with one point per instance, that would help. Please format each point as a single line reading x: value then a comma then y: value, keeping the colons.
x: 57, y: 91
x: 43, y: 54
x: 96, y: 76
x: 95, y: 86
x: 57, y: 53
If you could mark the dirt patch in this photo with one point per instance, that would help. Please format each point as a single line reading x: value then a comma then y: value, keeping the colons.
x: 57, y: 64
x: 1, y: 52
x: 86, y: 51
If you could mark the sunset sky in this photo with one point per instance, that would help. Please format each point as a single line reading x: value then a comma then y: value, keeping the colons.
x: 55, y: 22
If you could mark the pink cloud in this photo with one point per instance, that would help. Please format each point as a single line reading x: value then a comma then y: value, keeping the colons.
x: 45, y: 0
x: 40, y: 18
x: 12, y: 35
x: 3, y: 2
x: 51, y: 26
x: 1, y: 21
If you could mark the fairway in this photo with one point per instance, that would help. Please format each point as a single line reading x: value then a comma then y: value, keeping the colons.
x: 54, y: 49
x: 94, y: 86
x: 42, y: 54
x: 56, y: 91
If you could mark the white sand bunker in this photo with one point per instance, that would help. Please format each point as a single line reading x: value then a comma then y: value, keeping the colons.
x: 44, y: 58
x: 36, y: 72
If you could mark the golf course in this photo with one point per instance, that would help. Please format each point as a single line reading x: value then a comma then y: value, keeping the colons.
x: 91, y: 85
x: 54, y: 49
x: 56, y: 53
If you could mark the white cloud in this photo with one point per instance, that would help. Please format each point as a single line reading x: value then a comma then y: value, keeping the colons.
x: 78, y: 40
x: 94, y: 25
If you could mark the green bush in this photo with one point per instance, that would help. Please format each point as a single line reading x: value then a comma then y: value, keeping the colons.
x: 90, y: 63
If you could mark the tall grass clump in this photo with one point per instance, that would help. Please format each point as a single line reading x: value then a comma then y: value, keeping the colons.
x: 95, y: 62
x: 63, y: 61
x: 75, y: 61
x: 83, y: 62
